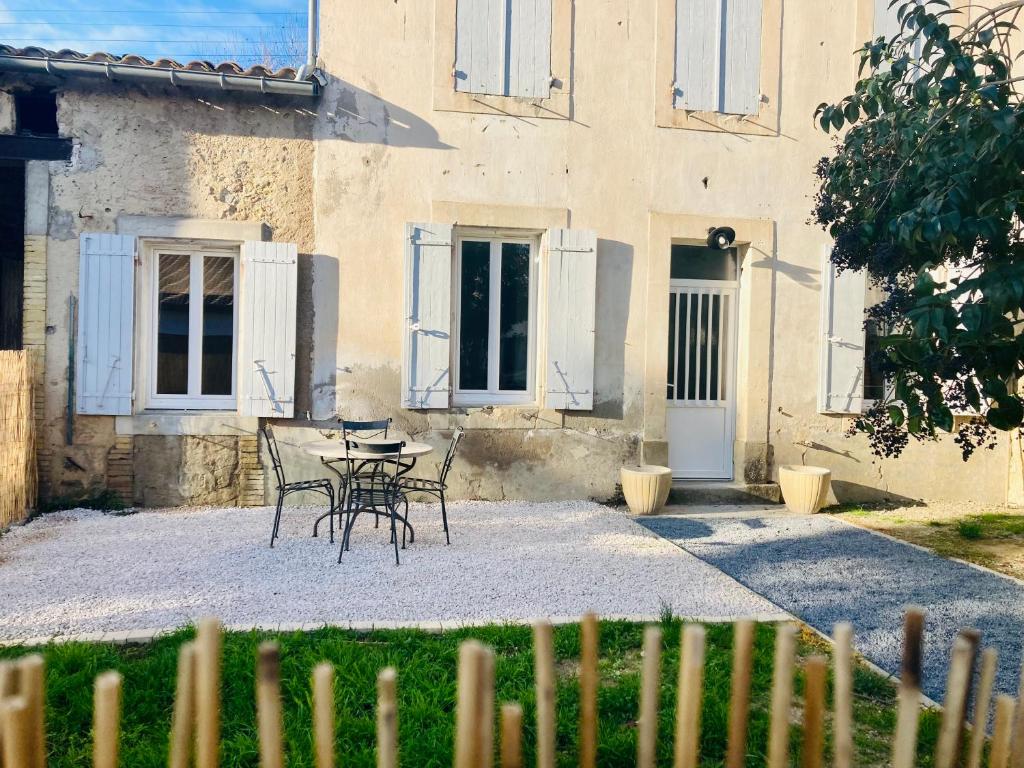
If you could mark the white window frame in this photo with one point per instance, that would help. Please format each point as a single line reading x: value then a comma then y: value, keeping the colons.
x: 147, y: 303
x: 493, y: 395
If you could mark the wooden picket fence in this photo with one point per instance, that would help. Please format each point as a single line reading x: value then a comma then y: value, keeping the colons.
x: 195, y: 722
x: 18, y: 476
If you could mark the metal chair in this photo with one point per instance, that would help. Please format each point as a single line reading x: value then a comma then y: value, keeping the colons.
x: 377, y: 491
x: 324, y: 486
x: 436, y: 487
x: 349, y: 429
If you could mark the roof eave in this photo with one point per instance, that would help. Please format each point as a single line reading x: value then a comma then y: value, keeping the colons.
x: 182, y: 78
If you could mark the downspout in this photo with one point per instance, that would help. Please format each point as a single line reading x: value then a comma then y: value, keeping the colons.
x: 312, y: 38
x: 312, y: 22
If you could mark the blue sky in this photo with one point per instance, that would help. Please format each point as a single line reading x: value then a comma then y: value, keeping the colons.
x: 247, y: 31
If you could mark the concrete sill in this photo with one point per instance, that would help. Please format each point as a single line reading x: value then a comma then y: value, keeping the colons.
x: 210, y: 423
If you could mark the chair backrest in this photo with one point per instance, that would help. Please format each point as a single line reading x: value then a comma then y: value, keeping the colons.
x: 376, y: 428
x: 384, y: 469
x: 449, y: 456
x: 275, y: 454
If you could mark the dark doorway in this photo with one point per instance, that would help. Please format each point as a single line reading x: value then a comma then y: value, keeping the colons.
x: 12, y: 252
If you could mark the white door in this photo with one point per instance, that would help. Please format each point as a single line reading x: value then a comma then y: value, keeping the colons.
x: 701, y: 382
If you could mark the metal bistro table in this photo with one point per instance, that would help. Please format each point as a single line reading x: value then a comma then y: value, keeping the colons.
x: 333, y: 451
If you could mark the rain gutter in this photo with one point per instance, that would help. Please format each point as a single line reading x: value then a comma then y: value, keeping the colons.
x: 182, y: 78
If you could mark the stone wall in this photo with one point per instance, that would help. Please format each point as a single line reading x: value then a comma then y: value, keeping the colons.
x: 156, y: 152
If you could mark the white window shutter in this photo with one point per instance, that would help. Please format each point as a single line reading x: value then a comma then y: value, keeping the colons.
x: 842, y: 352
x: 266, y: 355
x: 529, y: 47
x: 742, y: 76
x: 698, y: 32
x: 571, y: 319
x: 718, y: 56
x: 426, y: 356
x: 106, y: 312
x: 886, y: 23
x: 503, y: 48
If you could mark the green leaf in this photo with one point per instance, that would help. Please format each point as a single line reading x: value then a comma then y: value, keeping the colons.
x: 1007, y: 413
x: 895, y: 415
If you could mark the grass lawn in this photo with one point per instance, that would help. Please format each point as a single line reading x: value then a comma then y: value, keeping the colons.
x: 426, y: 666
x: 993, y: 538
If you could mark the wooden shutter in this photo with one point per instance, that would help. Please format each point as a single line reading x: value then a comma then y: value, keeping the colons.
x: 266, y: 355
x: 842, y: 358
x: 428, y: 312
x: 718, y: 56
x: 886, y: 23
x: 742, y: 77
x: 106, y: 311
x: 571, y: 319
x: 529, y: 47
x: 503, y: 47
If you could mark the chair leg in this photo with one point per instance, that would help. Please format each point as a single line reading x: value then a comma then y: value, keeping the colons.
x: 444, y: 519
x: 344, y: 535
x: 350, y: 519
x: 277, y: 517
x: 393, y: 510
x: 406, y: 526
x: 330, y: 500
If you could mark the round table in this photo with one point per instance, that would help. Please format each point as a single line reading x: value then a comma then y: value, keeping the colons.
x: 332, y: 451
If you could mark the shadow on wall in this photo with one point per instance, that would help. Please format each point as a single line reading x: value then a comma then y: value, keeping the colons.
x: 348, y: 113
x: 343, y: 112
x: 614, y: 284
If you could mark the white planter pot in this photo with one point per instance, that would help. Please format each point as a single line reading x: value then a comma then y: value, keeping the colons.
x: 804, y: 489
x: 646, y: 488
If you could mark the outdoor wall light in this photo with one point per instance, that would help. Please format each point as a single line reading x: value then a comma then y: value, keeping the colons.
x: 720, y: 238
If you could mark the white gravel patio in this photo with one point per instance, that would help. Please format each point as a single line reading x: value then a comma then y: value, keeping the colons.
x: 85, y: 571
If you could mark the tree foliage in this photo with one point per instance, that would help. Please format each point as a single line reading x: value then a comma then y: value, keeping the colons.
x: 924, y: 191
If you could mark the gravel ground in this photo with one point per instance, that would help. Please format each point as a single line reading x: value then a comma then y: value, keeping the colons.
x: 825, y: 571
x: 86, y: 571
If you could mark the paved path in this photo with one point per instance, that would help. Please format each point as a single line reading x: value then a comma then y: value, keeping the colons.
x: 823, y: 571
x: 87, y: 572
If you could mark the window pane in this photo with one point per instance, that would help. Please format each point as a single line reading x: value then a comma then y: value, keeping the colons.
x: 474, y: 312
x: 218, y: 324
x: 697, y: 262
x: 515, y: 316
x: 172, y: 324
x: 874, y: 362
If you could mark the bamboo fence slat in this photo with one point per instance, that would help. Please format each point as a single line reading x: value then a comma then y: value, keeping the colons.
x: 197, y: 707
x: 18, y: 471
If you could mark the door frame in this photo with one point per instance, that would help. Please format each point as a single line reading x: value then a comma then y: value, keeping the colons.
x: 756, y: 243
x: 729, y: 359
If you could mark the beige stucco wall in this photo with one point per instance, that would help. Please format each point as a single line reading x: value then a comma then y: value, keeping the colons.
x: 382, y: 149
x: 161, y: 154
x: 385, y: 156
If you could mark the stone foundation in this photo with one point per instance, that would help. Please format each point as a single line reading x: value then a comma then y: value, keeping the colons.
x: 175, y: 470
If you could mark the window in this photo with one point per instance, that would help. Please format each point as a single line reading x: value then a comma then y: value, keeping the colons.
x: 718, y: 65
x: 36, y: 113
x: 876, y: 384
x: 495, y: 308
x: 718, y: 56
x: 698, y: 262
x: 193, y: 322
x: 503, y: 48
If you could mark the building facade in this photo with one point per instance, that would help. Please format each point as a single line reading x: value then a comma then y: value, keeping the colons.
x: 491, y: 215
